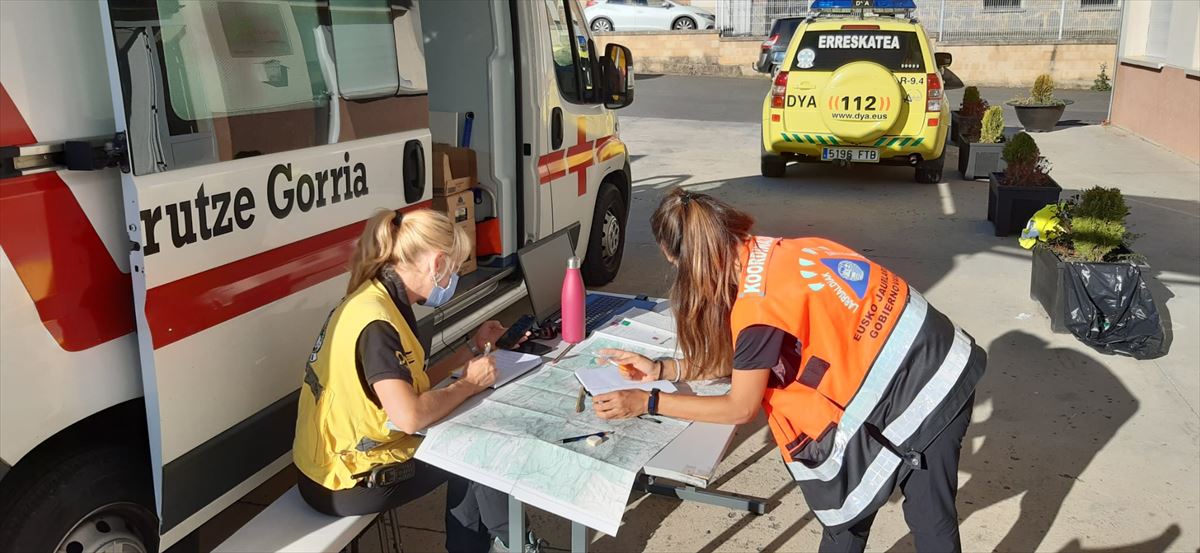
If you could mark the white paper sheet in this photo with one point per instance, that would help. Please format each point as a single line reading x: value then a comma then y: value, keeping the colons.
x: 607, y: 378
x: 511, y: 365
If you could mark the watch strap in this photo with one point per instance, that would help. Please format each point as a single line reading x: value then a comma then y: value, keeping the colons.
x: 652, y: 404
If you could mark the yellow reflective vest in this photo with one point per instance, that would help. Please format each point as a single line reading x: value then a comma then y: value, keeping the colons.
x: 340, y: 432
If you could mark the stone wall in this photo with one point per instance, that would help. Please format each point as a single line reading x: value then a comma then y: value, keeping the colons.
x: 1016, y: 65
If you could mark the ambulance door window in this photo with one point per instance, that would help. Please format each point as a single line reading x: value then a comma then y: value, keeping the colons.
x: 205, y: 82
x: 569, y: 44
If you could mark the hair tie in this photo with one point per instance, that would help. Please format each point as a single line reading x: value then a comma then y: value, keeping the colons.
x: 397, y: 219
x: 685, y: 197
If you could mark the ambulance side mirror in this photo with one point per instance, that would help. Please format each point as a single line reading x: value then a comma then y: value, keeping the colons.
x: 943, y: 59
x: 617, y: 73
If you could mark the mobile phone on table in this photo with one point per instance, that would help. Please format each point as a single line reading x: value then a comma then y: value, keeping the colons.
x: 512, y: 337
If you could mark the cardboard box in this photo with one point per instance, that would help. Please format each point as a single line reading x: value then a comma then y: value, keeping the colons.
x: 460, y: 208
x: 453, y: 169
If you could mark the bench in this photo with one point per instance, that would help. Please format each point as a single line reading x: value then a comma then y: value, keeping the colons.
x: 290, y: 525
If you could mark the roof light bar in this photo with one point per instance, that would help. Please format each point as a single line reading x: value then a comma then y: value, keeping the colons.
x: 850, y: 6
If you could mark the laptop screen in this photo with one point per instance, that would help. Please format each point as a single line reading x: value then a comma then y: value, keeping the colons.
x: 544, y: 263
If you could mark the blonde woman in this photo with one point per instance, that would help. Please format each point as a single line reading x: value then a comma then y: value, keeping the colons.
x: 366, y: 388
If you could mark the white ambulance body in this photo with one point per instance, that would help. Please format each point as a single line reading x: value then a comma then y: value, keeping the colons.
x: 157, y: 314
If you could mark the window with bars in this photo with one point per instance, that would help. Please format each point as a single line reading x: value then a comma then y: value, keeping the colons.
x: 1097, y: 4
x: 1001, y: 4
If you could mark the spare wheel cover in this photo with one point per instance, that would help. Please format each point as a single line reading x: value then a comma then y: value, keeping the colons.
x: 862, y: 101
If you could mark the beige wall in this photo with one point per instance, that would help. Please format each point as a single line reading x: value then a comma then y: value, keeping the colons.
x: 705, y: 53
x: 1162, y: 105
x: 1071, y: 65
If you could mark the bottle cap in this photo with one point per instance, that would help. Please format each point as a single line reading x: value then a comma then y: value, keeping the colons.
x: 573, y: 262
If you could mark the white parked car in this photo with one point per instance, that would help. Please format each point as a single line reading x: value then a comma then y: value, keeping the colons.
x: 645, y: 15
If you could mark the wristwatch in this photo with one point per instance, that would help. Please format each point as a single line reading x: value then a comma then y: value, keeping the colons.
x: 471, y: 346
x: 652, y: 406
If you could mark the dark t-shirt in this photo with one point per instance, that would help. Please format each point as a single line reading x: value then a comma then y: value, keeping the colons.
x: 375, y: 351
x: 767, y: 347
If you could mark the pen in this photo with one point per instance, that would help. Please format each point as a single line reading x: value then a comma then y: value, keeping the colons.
x: 651, y: 419
x: 584, y: 437
x: 487, y: 349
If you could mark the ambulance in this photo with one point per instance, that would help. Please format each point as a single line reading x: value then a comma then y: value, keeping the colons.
x: 182, y: 184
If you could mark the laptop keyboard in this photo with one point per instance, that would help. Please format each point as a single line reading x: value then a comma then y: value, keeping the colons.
x: 600, y: 310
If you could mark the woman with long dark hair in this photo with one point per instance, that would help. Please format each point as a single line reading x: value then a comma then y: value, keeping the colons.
x: 865, y: 385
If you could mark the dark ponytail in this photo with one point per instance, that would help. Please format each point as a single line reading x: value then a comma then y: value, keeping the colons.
x: 702, y: 236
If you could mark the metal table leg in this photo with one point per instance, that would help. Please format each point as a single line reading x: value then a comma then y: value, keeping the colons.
x: 732, y: 501
x: 516, y: 525
x: 579, y: 538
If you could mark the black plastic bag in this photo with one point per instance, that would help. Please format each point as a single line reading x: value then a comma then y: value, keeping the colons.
x: 1109, y: 307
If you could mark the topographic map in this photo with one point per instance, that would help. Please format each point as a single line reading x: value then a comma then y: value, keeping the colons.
x: 511, y: 441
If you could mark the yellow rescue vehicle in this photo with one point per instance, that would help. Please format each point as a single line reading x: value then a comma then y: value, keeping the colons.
x: 859, y: 84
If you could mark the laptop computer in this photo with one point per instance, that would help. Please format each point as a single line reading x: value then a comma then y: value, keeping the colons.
x: 544, y: 263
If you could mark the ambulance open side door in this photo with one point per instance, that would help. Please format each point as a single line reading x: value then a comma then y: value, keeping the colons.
x: 261, y: 134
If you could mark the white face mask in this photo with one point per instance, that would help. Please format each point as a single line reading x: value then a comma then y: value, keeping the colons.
x: 438, y: 295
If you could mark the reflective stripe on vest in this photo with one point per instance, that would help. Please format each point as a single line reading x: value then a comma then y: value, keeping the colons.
x: 878, y: 352
x: 884, y: 466
x: 873, y: 387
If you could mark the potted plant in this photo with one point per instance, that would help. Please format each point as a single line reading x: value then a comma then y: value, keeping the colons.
x: 1023, y: 188
x: 1088, y: 280
x: 981, y: 155
x: 1040, y: 111
x: 965, y: 119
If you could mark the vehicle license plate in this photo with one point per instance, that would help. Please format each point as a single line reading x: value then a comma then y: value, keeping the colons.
x: 856, y: 155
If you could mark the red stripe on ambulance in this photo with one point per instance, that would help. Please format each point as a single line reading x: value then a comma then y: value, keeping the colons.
x: 192, y: 304
x: 82, y: 297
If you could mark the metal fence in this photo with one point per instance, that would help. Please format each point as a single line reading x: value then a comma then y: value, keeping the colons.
x: 958, y: 21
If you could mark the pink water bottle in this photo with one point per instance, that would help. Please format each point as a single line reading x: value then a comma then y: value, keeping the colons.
x: 573, y: 296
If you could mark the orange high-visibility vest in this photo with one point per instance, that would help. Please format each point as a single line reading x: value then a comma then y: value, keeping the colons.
x: 881, y: 372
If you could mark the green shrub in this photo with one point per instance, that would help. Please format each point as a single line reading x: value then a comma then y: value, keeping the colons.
x: 1093, y: 239
x: 1043, y: 89
x: 1041, y: 94
x: 971, y: 94
x: 1102, y: 84
x: 1025, y: 165
x: 992, y: 126
x: 1105, y: 204
x: 1021, y: 149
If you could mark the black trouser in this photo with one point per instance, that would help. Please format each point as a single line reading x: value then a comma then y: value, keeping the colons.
x: 472, y: 510
x: 929, y: 497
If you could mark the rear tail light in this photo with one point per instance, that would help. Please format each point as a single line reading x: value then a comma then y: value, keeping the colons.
x: 766, y: 45
x: 779, y: 90
x: 933, y: 93
x: 860, y: 27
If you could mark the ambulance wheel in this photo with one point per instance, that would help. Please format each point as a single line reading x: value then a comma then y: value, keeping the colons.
x: 80, y: 500
x: 773, y: 165
x: 930, y: 172
x: 606, y: 243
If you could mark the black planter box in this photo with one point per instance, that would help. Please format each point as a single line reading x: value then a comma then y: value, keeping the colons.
x: 1046, y: 287
x: 1040, y: 118
x: 1010, y: 207
x: 979, y: 160
x: 956, y: 122
x: 1138, y: 332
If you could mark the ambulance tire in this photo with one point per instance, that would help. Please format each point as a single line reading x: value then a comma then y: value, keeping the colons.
x: 773, y: 165
x: 83, y: 498
x: 930, y: 171
x: 606, y: 241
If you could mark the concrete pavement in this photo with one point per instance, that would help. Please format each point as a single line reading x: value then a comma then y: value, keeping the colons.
x: 1069, y: 450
